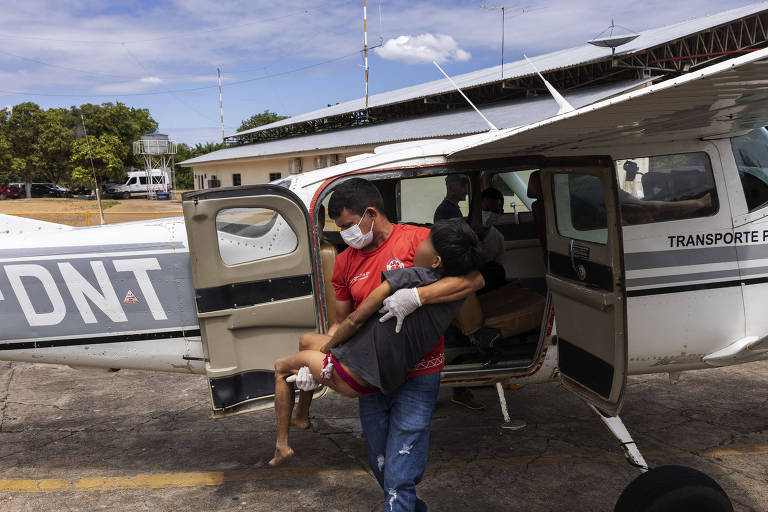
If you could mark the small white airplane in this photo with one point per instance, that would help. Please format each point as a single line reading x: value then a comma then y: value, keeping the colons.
x: 655, y: 207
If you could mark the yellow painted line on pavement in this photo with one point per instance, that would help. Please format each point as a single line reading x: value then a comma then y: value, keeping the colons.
x: 216, y: 478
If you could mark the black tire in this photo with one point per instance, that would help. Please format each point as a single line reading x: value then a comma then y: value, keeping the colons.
x: 673, y: 489
x: 126, y: 195
x: 3, y: 197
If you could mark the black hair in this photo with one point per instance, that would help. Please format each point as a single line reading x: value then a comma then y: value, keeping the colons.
x: 355, y: 195
x: 456, y: 244
x: 492, y: 193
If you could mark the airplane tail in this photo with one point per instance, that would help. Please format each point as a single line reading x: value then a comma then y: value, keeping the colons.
x: 14, y: 225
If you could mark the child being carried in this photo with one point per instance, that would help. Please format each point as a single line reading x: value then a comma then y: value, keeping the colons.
x: 373, y: 357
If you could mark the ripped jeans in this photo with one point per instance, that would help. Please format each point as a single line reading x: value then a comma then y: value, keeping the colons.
x: 396, y: 430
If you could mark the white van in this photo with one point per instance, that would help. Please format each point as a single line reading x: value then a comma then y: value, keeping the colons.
x: 142, y: 184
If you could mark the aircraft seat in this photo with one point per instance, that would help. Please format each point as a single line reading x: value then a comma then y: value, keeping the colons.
x: 328, y: 255
x: 511, y: 309
x: 537, y: 208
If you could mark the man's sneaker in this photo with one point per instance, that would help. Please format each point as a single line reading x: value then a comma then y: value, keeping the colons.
x: 466, y: 399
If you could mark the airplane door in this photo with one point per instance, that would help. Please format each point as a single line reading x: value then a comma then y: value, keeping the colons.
x: 586, y: 277
x: 251, y: 259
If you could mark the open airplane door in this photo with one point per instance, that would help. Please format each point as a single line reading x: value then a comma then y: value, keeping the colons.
x: 251, y: 259
x: 586, y: 277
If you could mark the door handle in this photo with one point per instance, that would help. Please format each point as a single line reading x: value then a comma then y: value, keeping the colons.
x: 573, y: 260
x: 583, y: 254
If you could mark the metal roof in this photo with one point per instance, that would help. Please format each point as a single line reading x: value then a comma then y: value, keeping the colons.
x: 722, y: 100
x: 460, y: 122
x: 518, y: 69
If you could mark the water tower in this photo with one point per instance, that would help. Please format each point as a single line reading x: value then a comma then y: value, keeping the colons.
x: 158, y: 152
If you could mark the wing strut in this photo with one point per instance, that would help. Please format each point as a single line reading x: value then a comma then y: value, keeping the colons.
x: 561, y: 102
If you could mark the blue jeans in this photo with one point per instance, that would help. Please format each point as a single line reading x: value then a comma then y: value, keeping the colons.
x: 397, y: 434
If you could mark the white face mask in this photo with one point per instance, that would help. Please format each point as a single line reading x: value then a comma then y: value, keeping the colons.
x: 489, y: 218
x: 353, y: 236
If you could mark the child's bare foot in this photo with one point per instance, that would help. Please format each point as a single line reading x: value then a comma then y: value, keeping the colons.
x: 302, y: 423
x: 281, y: 455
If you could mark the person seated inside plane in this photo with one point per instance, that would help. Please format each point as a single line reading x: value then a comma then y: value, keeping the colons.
x: 373, y: 357
x: 491, y: 240
x: 588, y: 200
x: 456, y: 190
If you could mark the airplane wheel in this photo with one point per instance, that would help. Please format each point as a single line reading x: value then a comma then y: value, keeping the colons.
x: 673, y: 489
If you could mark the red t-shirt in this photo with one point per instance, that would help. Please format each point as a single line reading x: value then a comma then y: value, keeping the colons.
x: 357, y: 273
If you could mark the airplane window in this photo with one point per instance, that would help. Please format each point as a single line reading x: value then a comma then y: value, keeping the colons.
x: 506, y: 182
x: 252, y: 234
x: 420, y: 198
x: 666, y: 187
x: 580, y: 207
x: 751, y: 154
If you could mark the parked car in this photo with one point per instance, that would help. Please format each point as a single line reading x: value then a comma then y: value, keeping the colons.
x: 62, y: 191
x: 44, y: 190
x: 9, y: 191
x: 137, y: 184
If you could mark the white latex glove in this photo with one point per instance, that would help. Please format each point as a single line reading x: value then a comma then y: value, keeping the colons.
x: 399, y: 305
x: 304, y: 379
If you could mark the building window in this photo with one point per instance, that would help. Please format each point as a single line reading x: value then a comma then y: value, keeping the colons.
x: 236, y: 180
x: 214, y: 182
x: 275, y: 176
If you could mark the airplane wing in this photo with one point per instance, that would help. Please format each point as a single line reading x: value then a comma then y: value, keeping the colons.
x: 730, y: 97
x: 14, y: 225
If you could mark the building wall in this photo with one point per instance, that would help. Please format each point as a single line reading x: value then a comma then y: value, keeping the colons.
x: 257, y: 171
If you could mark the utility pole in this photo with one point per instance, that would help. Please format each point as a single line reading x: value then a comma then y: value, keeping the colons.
x: 503, y: 15
x: 93, y: 169
x: 221, y: 105
x: 365, y: 52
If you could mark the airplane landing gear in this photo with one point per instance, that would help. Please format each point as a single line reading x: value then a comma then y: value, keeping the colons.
x: 666, y: 488
x: 673, y: 489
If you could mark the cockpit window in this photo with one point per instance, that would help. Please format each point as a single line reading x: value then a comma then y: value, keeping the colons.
x: 751, y: 154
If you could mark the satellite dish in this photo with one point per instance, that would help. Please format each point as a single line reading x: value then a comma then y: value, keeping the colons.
x: 612, y: 40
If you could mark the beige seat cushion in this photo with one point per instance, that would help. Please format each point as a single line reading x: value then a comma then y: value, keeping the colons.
x: 328, y: 255
x: 512, y: 309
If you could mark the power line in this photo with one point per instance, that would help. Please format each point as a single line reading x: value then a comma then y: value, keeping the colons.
x: 189, y: 89
x: 175, y: 36
x: 94, y: 73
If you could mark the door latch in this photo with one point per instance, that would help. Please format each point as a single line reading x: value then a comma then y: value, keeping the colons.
x: 581, y: 252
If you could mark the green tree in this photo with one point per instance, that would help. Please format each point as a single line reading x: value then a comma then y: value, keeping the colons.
x: 106, y: 152
x: 21, y: 132
x: 261, y: 119
x: 53, y: 149
x: 6, y: 174
x: 117, y: 119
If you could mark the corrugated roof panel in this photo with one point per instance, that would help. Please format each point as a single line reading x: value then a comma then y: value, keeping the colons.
x: 504, y: 115
x: 518, y: 69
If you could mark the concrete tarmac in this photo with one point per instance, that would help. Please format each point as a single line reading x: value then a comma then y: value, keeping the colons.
x: 78, y: 440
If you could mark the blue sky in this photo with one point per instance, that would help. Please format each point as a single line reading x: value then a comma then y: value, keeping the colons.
x: 293, y: 56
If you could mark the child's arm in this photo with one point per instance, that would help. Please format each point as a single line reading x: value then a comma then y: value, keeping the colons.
x: 355, y: 320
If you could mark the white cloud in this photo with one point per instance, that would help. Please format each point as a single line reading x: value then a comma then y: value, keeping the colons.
x: 151, y: 80
x: 423, y: 48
